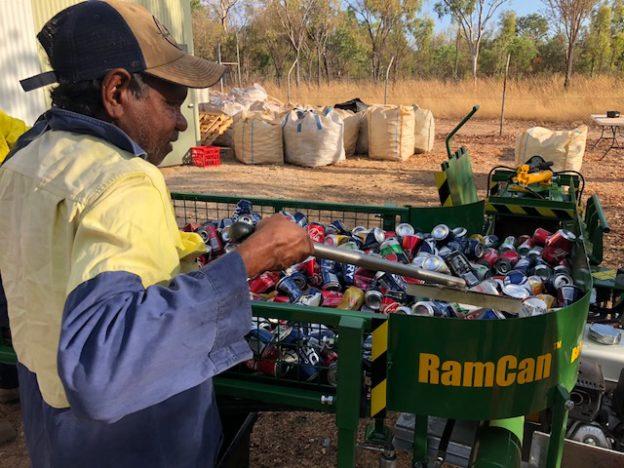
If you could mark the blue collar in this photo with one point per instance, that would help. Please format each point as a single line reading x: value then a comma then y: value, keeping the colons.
x: 64, y: 120
x: 61, y: 119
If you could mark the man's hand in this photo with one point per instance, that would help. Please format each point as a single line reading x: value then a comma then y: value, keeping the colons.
x: 276, y: 244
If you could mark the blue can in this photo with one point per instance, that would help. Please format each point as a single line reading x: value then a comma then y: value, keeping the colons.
x: 348, y: 273
x: 374, y: 238
x: 322, y: 339
x: 290, y: 336
x: 515, y: 277
x: 491, y: 242
x: 428, y: 246
x: 259, y: 339
x: 242, y: 207
x: 300, y: 219
x: 309, y: 361
x: 389, y: 281
x: 524, y: 265
x: 489, y: 314
x: 290, y: 286
x: 338, y: 227
x: 472, y: 248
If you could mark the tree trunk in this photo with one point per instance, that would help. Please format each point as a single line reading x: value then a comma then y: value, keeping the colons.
x: 318, y: 67
x: 326, y: 64
x: 474, y: 52
x: 298, y: 70
x: 568, y: 77
x: 456, y: 69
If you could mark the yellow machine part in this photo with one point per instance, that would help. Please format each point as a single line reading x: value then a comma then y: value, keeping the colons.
x: 524, y: 177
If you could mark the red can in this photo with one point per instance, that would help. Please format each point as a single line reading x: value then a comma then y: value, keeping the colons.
x: 308, y: 267
x: 331, y: 298
x: 409, y: 280
x: 213, y: 240
x: 363, y: 278
x: 388, y: 305
x: 540, y: 236
x: 281, y: 299
x: 389, y: 235
x: 505, y: 262
x: 559, y: 246
x: 191, y: 227
x: 410, y: 244
x: 264, y: 282
x: 316, y: 232
x: 489, y: 257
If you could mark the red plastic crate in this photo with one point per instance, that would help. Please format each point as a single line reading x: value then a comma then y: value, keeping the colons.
x: 203, y: 156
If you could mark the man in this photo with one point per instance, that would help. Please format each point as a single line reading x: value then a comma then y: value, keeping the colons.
x: 116, y: 346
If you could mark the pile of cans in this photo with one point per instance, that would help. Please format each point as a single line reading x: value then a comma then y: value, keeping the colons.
x: 534, y: 267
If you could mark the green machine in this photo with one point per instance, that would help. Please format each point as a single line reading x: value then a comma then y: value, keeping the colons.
x: 492, y: 371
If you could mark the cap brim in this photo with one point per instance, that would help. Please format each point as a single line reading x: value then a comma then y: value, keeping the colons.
x: 189, y: 71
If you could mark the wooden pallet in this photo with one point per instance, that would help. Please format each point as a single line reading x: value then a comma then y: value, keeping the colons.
x: 212, y: 125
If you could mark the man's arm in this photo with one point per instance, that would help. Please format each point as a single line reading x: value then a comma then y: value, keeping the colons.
x: 124, y: 346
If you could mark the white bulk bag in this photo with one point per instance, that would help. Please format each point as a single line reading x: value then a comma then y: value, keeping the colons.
x: 313, y: 138
x: 362, y: 142
x: 391, y: 133
x: 424, y: 130
x: 351, y: 129
x: 258, y: 139
x: 565, y: 148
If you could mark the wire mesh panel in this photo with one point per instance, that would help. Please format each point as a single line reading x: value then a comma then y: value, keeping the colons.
x: 196, y: 208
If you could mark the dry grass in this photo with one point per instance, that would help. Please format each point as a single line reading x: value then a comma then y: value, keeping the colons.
x: 541, y: 99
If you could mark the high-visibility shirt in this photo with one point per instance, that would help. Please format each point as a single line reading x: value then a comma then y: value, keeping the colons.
x: 10, y: 130
x: 117, y: 346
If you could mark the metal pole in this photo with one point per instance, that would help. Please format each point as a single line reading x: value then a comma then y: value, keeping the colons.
x: 290, y: 73
x: 502, y: 116
x: 240, y: 80
x: 219, y: 61
x: 386, y: 84
x: 372, y: 263
x: 450, y: 136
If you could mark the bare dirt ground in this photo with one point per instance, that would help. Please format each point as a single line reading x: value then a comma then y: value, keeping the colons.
x: 308, y: 439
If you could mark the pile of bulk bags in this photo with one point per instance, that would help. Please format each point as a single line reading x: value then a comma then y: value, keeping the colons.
x: 258, y: 138
x: 565, y: 148
x: 313, y: 138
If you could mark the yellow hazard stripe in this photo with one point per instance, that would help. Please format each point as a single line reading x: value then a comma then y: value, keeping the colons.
x: 547, y: 213
x: 378, y: 398
x: 378, y: 367
x: 380, y: 341
x: 605, y: 275
x: 512, y: 208
x: 516, y: 209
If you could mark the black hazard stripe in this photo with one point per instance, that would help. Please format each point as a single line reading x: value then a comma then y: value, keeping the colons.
x: 379, y: 361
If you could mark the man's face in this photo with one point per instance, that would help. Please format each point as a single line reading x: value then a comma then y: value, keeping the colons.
x: 154, y: 119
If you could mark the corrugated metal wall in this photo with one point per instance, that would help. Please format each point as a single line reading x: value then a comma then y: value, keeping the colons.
x: 18, y: 60
x: 176, y: 16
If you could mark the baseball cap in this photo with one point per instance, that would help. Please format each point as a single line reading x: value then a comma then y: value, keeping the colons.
x: 86, y: 40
